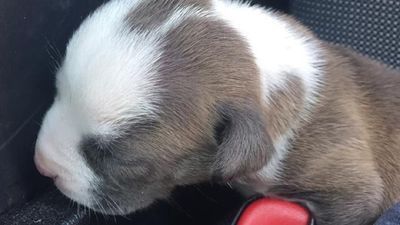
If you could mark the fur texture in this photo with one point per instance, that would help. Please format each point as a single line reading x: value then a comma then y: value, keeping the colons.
x: 155, y: 94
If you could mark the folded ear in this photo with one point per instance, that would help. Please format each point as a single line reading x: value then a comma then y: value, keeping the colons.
x: 244, y: 145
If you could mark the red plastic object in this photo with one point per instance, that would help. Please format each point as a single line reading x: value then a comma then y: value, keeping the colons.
x: 268, y: 211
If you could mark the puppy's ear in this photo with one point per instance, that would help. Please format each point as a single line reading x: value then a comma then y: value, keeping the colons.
x: 244, y: 145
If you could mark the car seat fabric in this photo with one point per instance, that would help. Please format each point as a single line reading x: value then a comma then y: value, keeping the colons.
x: 371, y: 27
x: 391, y: 217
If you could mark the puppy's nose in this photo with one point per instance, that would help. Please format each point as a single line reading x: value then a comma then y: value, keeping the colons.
x: 42, y: 165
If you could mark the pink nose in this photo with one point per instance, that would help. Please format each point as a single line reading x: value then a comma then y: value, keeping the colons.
x: 42, y: 165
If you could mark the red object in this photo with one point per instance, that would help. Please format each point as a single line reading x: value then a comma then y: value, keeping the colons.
x: 268, y: 211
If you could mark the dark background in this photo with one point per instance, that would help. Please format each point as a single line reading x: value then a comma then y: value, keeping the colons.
x: 33, y: 36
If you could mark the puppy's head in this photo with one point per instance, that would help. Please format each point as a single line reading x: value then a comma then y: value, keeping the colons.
x: 148, y: 100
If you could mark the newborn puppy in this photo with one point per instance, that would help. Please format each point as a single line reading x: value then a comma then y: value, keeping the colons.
x: 153, y: 94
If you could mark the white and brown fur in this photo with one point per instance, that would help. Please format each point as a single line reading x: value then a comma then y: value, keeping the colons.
x: 153, y: 94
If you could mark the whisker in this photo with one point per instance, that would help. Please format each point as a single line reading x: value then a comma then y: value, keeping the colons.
x: 116, y: 206
x: 70, y: 203
x: 109, y: 206
x: 19, y: 129
x: 55, y: 55
x: 37, y: 123
x: 229, y: 185
x: 102, y: 210
x: 177, y: 206
x: 97, y: 203
x: 205, y: 195
x: 112, y: 204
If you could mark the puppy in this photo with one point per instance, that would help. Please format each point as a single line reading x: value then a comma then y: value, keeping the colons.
x: 153, y: 94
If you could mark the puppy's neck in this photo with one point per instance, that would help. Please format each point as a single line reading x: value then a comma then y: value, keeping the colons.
x: 292, y: 94
x: 291, y: 68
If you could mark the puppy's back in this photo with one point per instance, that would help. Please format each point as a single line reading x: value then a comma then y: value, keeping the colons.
x: 381, y: 88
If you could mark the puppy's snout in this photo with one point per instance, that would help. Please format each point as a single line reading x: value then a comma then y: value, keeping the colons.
x: 43, y: 165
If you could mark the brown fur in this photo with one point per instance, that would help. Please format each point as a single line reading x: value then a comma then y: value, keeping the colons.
x: 285, y: 107
x: 344, y: 161
x: 187, y: 76
x: 143, y: 16
x: 341, y: 160
x: 182, y: 146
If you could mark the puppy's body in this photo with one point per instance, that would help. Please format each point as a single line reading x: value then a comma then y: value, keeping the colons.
x: 351, y: 137
x: 155, y: 94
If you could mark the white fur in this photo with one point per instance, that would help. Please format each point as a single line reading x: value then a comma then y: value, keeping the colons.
x: 109, y: 70
x: 102, y: 78
x: 279, y: 52
x: 57, y: 141
x: 180, y: 15
x: 107, y: 80
x: 112, y: 69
